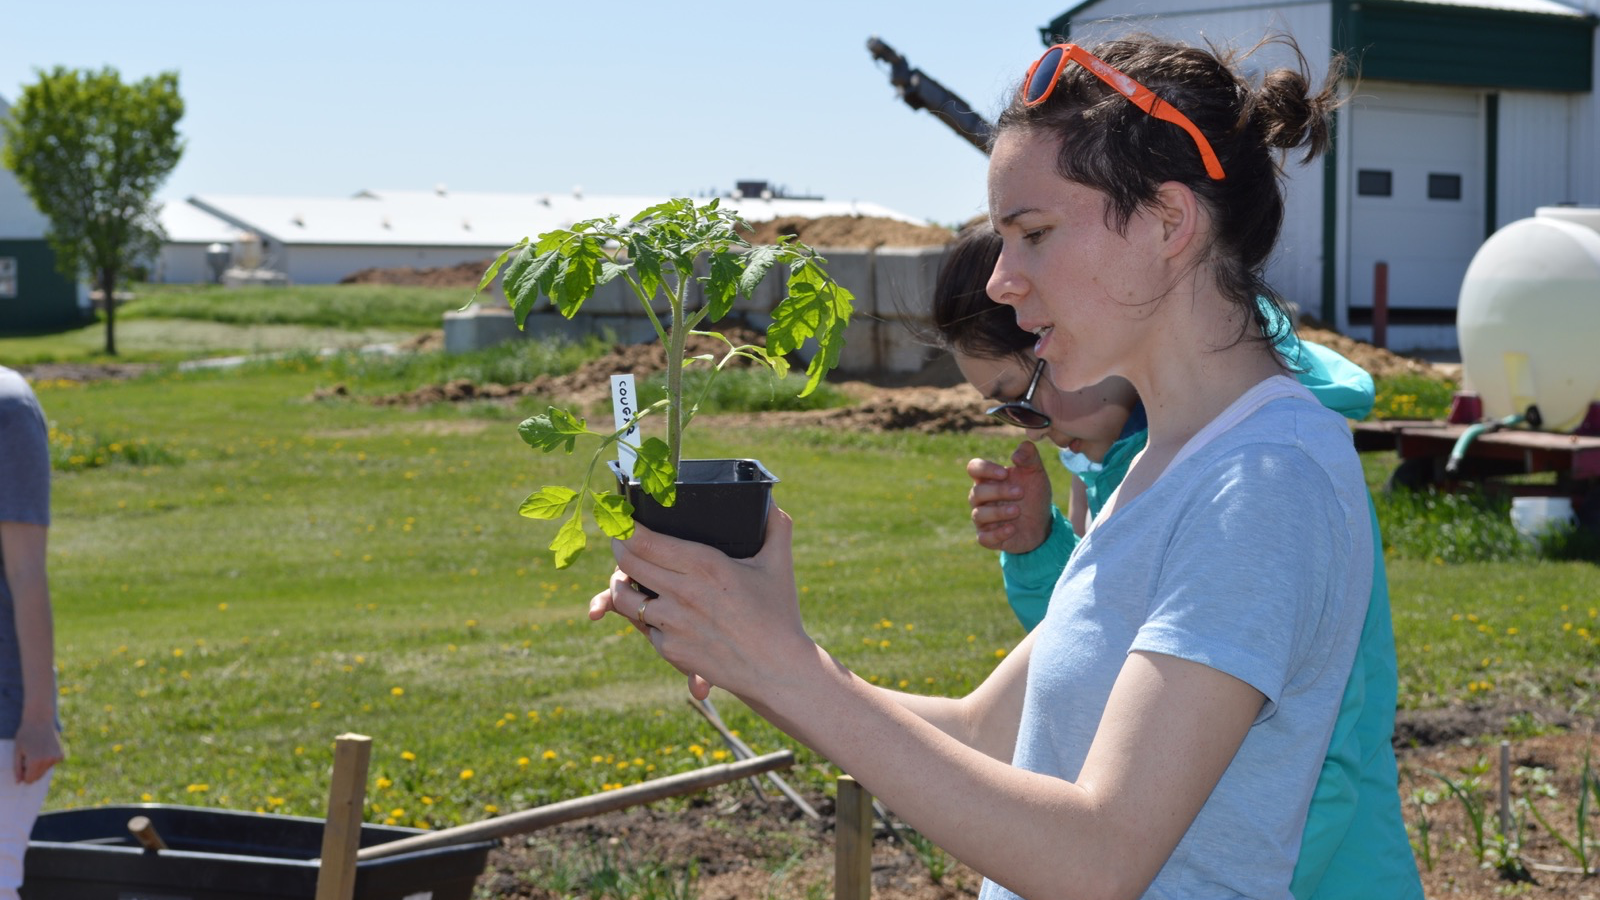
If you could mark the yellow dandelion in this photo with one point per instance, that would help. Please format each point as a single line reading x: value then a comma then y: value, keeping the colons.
x: 408, y: 756
x: 466, y: 774
x: 397, y: 691
x: 549, y: 754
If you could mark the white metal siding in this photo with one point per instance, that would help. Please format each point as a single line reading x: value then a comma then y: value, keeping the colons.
x: 19, y: 218
x: 1586, y: 133
x: 1536, y: 153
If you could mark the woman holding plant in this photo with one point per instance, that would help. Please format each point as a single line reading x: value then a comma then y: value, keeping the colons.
x: 1354, y: 845
x: 1160, y: 732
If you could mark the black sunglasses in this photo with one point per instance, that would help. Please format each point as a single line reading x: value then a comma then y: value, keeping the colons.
x: 1021, y: 412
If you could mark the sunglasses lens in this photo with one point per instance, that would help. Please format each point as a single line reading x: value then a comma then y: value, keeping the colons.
x: 1045, y: 72
x: 1020, y: 416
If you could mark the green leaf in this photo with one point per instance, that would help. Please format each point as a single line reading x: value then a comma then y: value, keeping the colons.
x: 614, y: 514
x: 574, y: 282
x: 722, y: 284
x: 756, y: 265
x: 548, y: 502
x: 610, y: 269
x: 553, y: 429
x: 666, y: 209
x: 527, y: 278
x: 569, y: 542
x: 654, y: 471
x: 647, y: 265
x: 493, y: 270
x: 817, y: 307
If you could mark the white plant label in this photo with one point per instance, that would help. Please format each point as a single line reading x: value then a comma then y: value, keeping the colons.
x: 624, y: 406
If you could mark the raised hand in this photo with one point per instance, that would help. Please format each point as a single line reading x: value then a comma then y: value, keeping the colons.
x: 1011, y: 504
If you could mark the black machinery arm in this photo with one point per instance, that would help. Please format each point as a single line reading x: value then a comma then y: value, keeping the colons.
x: 921, y: 92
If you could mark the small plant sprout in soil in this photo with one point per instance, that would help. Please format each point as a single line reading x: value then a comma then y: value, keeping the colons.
x: 689, y: 256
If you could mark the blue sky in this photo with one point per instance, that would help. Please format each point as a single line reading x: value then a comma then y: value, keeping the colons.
x: 333, y: 97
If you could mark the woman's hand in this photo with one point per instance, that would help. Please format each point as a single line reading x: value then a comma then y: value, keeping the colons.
x: 38, y: 747
x: 721, y: 621
x: 1011, y: 504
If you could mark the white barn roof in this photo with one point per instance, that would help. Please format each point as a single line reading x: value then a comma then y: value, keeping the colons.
x: 186, y: 223
x: 456, y: 218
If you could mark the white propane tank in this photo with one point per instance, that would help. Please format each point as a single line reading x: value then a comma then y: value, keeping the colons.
x: 1528, y: 320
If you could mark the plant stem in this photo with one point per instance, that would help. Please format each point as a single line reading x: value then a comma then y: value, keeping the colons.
x: 677, y: 340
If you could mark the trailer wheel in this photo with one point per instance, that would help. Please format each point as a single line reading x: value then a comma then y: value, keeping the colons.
x: 1417, y: 473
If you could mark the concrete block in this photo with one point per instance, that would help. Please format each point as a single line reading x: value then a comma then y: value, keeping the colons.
x: 478, y: 327
x: 547, y: 323
x: 905, y: 278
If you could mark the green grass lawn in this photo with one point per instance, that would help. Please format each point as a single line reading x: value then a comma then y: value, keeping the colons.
x: 254, y: 572
x: 298, y: 569
x: 167, y: 322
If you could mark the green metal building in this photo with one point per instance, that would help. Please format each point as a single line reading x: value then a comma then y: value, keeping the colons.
x: 33, y: 295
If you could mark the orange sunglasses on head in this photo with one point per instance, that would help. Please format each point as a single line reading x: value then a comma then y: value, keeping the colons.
x: 1046, y: 72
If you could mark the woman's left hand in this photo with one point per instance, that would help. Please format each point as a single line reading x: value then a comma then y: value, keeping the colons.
x: 721, y: 621
x: 37, y: 748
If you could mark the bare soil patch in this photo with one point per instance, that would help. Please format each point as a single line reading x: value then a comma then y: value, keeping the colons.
x: 743, y: 846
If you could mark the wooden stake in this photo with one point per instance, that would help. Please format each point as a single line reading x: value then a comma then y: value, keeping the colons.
x: 146, y: 834
x: 852, y: 831
x: 341, y: 837
x: 1505, y: 787
x: 581, y: 807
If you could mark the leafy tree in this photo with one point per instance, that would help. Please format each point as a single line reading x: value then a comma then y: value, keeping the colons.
x: 92, y: 151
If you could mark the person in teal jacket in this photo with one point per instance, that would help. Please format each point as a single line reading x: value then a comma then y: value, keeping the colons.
x: 1354, y: 844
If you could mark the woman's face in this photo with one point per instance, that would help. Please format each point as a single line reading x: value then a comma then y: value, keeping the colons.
x: 1086, y: 421
x: 1085, y: 289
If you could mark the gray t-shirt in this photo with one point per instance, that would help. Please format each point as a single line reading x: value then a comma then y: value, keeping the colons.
x: 1252, y: 556
x: 24, y: 497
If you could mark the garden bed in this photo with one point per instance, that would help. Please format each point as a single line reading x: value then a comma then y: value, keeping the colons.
x: 742, y: 846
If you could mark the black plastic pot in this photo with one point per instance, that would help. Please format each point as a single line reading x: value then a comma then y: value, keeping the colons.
x: 721, y: 502
x: 88, y: 854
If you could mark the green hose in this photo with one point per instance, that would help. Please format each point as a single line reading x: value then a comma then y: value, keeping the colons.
x: 1472, y: 433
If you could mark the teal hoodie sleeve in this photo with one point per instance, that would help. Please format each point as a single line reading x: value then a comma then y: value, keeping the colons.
x: 1336, y: 382
x: 1030, y: 578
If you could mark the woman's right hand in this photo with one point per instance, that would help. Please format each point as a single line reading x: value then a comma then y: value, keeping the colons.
x: 1011, y: 504
x: 732, y: 623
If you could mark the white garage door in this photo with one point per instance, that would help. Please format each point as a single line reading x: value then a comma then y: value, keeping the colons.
x: 1415, y: 167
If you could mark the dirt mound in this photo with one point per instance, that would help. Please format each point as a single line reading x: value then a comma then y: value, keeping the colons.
x: 824, y: 231
x: 850, y: 232
x: 465, y: 274
x: 1378, y: 362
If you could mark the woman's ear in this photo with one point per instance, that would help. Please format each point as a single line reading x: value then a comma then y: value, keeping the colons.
x: 1180, y: 216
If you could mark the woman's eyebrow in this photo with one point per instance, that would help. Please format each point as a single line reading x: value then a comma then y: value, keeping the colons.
x: 1012, y: 216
